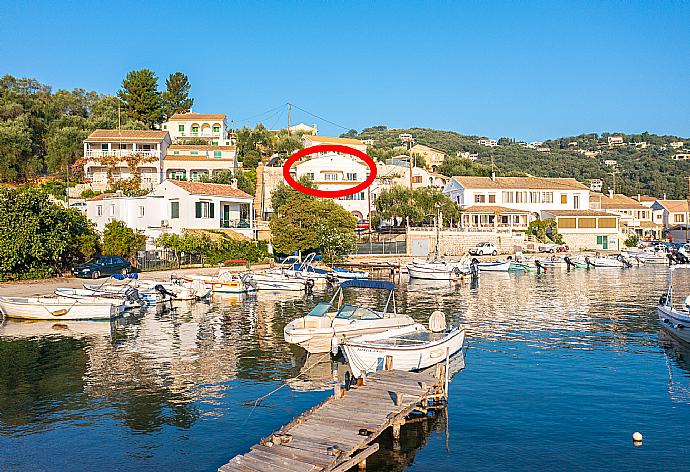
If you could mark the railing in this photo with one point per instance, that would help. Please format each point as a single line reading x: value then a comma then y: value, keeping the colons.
x: 197, y: 134
x: 98, y: 154
x: 472, y: 229
x: 234, y: 223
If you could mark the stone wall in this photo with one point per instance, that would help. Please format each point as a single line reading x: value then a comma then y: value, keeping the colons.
x: 456, y: 243
x: 583, y: 242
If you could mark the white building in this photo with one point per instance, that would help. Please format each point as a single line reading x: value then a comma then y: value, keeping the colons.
x: 616, y: 140
x: 212, y: 128
x: 174, y: 206
x: 304, y: 129
x: 309, y: 141
x: 610, y: 162
x: 677, y: 144
x: 531, y: 194
x: 192, y: 161
x: 388, y: 175
x: 681, y: 156
x: 106, y: 152
x: 333, y: 171
x: 595, y: 185
x: 487, y: 142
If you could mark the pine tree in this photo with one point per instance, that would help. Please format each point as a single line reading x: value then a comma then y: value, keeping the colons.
x: 141, y: 97
x: 176, y: 97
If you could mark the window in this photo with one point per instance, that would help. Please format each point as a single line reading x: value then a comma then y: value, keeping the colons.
x: 309, y: 175
x: 141, y: 212
x: 576, y: 202
x: 214, y: 143
x: 566, y: 223
x: 679, y: 218
x: 112, y: 210
x: 607, y: 222
x: 587, y: 223
x: 195, y: 129
x: 180, y: 128
x: 416, y: 179
x: 217, y: 153
x: 216, y: 128
x: 165, y: 126
x: 564, y: 199
x: 351, y: 176
x: 478, y: 198
x: 492, y: 198
x: 534, y: 197
x: 508, y: 197
x: 104, y: 147
x: 356, y: 196
x: 174, y: 210
x: 99, y: 210
x: 146, y: 147
x: 123, y: 146
x: 520, y: 197
x: 177, y: 175
x: 176, y: 152
x: 330, y: 176
x: 194, y: 153
x: 547, y: 197
x: 204, y: 209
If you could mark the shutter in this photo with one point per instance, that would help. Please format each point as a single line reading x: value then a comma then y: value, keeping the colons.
x: 197, y: 206
x: 210, y: 210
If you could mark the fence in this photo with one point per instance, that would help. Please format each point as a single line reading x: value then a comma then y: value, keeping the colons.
x: 382, y: 243
x: 166, y: 260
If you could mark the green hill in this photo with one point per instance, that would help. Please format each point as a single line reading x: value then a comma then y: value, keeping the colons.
x: 643, y: 168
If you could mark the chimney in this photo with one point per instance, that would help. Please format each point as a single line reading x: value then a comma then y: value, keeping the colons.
x: 493, y: 176
x: 664, y: 196
x: 639, y: 197
x: 611, y: 194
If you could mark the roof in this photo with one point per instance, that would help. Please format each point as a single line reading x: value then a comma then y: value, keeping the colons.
x: 674, y: 206
x: 644, y: 224
x: 439, y: 176
x: 216, y: 234
x: 520, y: 183
x: 579, y: 213
x: 204, y: 188
x: 333, y: 140
x: 619, y: 201
x: 102, y: 196
x: 185, y: 157
x: 493, y: 209
x: 646, y: 198
x: 197, y: 116
x: 428, y: 147
x: 127, y: 134
x: 202, y: 147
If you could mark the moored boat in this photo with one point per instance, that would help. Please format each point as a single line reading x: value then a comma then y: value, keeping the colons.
x: 60, y: 308
x: 350, y: 274
x: 224, y: 282
x: 130, y: 298
x: 326, y: 325
x: 494, y: 266
x: 409, y: 348
x: 674, y: 318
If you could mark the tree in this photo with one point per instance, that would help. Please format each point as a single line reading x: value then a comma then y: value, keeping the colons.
x: 39, y: 238
x: 335, y: 228
x: 120, y: 240
x: 283, y: 192
x: 176, y: 96
x: 397, y: 203
x: 350, y: 134
x: 141, y: 98
x: 246, y: 181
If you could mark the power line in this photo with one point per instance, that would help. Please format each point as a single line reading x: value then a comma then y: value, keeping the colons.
x: 262, y: 114
x: 321, y: 118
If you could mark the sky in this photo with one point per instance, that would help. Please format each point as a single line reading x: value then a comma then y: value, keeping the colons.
x: 522, y: 69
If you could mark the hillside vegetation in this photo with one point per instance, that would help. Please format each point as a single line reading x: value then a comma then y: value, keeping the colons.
x: 647, y: 170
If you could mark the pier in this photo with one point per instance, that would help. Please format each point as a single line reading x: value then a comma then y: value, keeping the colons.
x: 340, y: 433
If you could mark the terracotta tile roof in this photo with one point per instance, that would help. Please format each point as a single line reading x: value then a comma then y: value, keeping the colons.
x: 675, y: 206
x: 526, y: 183
x: 618, y: 202
x: 102, y: 196
x: 126, y: 134
x: 492, y: 209
x: 185, y: 157
x: 197, y: 116
x: 216, y: 234
x: 644, y: 224
x: 332, y: 140
x: 428, y: 147
x: 203, y: 188
x: 646, y: 198
x: 201, y: 147
x: 578, y: 213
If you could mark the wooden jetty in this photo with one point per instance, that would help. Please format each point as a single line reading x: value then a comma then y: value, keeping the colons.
x: 339, y: 433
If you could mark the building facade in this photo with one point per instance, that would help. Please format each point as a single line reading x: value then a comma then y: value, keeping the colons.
x: 587, y: 229
x: 194, y: 161
x: 311, y: 140
x: 433, y: 158
x: 212, y: 128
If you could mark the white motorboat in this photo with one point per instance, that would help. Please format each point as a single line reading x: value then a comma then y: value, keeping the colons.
x: 60, y: 308
x: 495, y: 266
x: 611, y: 261
x: 438, y: 269
x: 412, y: 347
x: 292, y: 267
x: 325, y: 326
x: 150, y: 297
x: 279, y: 281
x: 350, y: 274
x: 675, y: 318
x: 224, y: 282
x: 130, y: 298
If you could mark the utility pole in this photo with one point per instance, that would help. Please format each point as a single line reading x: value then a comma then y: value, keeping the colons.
x: 687, y: 210
x: 67, y: 190
x: 613, y: 174
x: 288, y: 116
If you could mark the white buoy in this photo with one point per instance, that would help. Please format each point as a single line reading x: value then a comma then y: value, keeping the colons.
x: 637, y: 436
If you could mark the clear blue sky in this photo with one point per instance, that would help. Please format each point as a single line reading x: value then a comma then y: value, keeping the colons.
x: 529, y: 70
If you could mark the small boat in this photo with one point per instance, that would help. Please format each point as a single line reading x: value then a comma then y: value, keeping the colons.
x: 325, y: 326
x: 438, y: 269
x: 516, y: 266
x: 675, y: 319
x: 611, y: 261
x: 130, y: 298
x: 279, y: 281
x: 412, y: 347
x: 60, y: 308
x: 495, y: 266
x: 224, y: 282
x: 150, y: 297
x: 291, y: 266
x: 350, y: 274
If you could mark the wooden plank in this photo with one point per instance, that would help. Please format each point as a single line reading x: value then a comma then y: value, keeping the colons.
x: 261, y: 464
x: 356, y: 459
x: 287, y: 462
x: 309, y: 457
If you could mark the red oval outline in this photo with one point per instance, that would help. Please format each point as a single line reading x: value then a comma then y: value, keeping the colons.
x: 329, y: 193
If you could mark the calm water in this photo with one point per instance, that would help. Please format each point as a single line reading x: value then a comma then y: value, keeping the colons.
x: 561, y: 369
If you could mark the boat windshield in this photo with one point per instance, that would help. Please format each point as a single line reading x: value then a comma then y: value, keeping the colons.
x: 357, y: 313
x: 320, y: 310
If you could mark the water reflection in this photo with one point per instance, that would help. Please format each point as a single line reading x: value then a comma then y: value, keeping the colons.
x: 190, y: 367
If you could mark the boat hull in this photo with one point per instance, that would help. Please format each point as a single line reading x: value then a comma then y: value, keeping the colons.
x: 675, y: 322
x: 494, y: 266
x: 370, y: 357
x: 58, y: 308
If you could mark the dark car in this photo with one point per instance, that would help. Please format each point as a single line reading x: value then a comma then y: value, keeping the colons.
x: 102, y: 265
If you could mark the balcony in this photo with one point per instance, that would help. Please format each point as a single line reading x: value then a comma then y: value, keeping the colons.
x: 99, y: 154
x: 199, y: 134
x: 241, y: 223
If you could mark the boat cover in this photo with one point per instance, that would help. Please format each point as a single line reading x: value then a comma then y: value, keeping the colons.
x: 364, y: 283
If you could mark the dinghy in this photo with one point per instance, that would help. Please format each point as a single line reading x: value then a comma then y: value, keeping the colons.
x: 612, y: 261
x: 675, y: 319
x: 130, y: 298
x: 60, y: 308
x: 412, y: 347
x: 325, y: 325
x: 150, y: 297
x: 278, y: 281
x: 438, y: 269
x: 495, y: 266
x: 224, y: 282
x: 350, y: 274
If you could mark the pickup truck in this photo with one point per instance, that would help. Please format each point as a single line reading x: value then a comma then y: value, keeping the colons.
x: 483, y: 249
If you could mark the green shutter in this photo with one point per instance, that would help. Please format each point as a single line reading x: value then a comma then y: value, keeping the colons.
x: 197, y: 206
x: 180, y: 128
x: 210, y: 210
x: 600, y: 240
x: 174, y: 209
x: 217, y: 154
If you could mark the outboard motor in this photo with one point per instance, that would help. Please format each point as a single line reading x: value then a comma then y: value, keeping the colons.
x: 474, y: 267
x: 163, y: 291
x: 540, y: 266
x: 132, y: 295
x: 569, y: 262
x: 682, y: 258
x: 622, y: 259
x: 670, y: 258
x: 588, y: 262
x: 309, y: 286
x: 663, y: 299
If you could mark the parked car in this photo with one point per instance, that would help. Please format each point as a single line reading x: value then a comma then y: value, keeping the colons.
x: 549, y: 247
x: 102, y: 265
x: 483, y: 249
x: 363, y: 224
